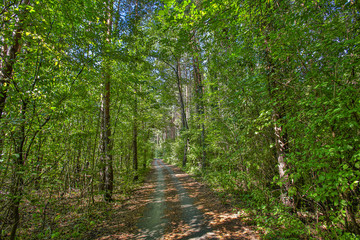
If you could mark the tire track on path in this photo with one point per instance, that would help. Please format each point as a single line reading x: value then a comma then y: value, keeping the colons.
x: 154, y: 223
x: 191, y: 216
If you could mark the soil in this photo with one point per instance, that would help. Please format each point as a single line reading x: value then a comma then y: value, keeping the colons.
x: 180, y: 219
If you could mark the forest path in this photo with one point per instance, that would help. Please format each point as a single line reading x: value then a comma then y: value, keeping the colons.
x: 172, y: 205
x: 182, y: 208
x: 172, y: 211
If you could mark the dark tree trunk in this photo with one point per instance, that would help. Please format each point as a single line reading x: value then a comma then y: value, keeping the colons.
x: 135, y: 144
x: 17, y: 179
x: 200, y: 108
x: 8, y: 58
x: 277, y: 95
x: 185, y: 125
x: 106, y: 145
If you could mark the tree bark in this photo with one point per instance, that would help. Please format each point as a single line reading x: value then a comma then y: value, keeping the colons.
x: 200, y: 108
x: 7, y: 62
x: 185, y: 125
x: 135, y: 144
x: 106, y: 157
x: 17, y: 180
x: 279, y: 114
x: 8, y: 59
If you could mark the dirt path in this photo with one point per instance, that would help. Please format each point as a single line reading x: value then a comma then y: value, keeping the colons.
x: 179, y: 211
x: 172, y: 205
x: 157, y: 224
x: 153, y: 222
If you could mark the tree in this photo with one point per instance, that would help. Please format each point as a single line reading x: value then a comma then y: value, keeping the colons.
x: 106, y: 157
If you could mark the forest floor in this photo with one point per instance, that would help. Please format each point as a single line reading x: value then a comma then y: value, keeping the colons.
x: 172, y: 205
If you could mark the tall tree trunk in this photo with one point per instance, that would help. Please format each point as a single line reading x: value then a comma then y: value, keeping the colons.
x: 93, y: 168
x: 135, y: 127
x: 185, y: 125
x: 281, y: 145
x: 105, y: 145
x: 200, y: 108
x: 276, y: 93
x: 8, y: 58
x: 106, y: 157
x: 280, y: 134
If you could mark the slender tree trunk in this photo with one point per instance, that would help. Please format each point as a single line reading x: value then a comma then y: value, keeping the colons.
x: 200, y: 108
x: 280, y: 134
x: 185, y: 125
x: 145, y: 157
x: 135, y: 136
x: 17, y: 179
x: 281, y: 145
x: 186, y: 146
x: 93, y: 174
x: 279, y: 114
x: 106, y: 145
x: 135, y: 127
x: 9, y: 54
x: 145, y: 145
x: 38, y: 166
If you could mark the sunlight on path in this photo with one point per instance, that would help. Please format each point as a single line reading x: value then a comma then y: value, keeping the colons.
x: 190, y: 214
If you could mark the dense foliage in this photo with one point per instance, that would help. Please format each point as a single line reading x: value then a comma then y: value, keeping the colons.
x: 261, y: 98
x: 276, y: 111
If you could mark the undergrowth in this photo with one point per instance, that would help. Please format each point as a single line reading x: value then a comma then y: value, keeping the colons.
x: 273, y: 219
x: 71, y: 215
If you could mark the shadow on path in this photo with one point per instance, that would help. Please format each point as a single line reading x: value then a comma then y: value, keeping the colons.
x: 190, y: 214
x: 153, y: 223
